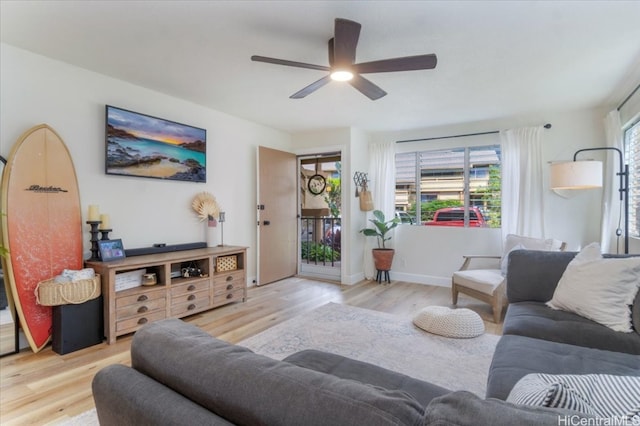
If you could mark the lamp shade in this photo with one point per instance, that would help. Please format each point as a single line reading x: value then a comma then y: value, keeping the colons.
x: 576, y: 175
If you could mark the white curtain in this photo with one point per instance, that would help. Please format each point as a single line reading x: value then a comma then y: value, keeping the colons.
x: 382, y: 184
x: 611, y: 182
x: 522, y: 182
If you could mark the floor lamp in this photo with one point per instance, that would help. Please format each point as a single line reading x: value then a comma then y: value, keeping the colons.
x: 588, y: 174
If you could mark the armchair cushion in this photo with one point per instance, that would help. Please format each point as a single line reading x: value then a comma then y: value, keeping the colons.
x: 482, y: 280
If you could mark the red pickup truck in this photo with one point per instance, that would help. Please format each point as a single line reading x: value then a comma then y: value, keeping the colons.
x: 454, y: 216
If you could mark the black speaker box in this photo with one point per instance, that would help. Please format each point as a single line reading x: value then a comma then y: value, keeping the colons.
x: 164, y: 249
x: 77, y: 327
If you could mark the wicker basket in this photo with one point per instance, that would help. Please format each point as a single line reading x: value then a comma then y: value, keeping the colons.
x: 51, y: 293
x: 226, y: 263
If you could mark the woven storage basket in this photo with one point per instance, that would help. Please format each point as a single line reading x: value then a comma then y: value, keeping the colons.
x: 226, y: 263
x: 51, y: 293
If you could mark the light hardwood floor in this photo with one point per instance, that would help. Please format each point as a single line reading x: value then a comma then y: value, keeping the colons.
x: 46, y: 387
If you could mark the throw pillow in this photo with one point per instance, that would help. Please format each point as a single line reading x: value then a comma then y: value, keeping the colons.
x: 530, y: 243
x: 504, y: 263
x: 599, y: 289
x: 635, y: 313
x: 604, y: 395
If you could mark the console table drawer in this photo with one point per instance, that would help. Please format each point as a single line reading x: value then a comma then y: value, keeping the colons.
x: 192, y: 306
x: 139, y: 308
x: 228, y: 283
x: 191, y: 297
x: 188, y: 288
x: 139, y: 297
x: 224, y: 277
x: 132, y: 324
x: 230, y: 296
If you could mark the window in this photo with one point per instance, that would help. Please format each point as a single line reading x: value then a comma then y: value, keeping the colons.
x: 632, y: 155
x: 455, y: 187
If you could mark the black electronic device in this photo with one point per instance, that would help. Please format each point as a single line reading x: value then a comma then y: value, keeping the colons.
x: 78, y: 326
x: 164, y: 248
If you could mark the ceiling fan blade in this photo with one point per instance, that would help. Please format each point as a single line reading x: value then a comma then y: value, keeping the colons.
x: 367, y: 88
x: 289, y: 63
x: 331, y: 52
x: 311, y: 88
x: 407, y: 63
x: 345, y: 43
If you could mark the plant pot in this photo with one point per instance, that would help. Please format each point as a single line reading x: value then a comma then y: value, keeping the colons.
x: 383, y: 258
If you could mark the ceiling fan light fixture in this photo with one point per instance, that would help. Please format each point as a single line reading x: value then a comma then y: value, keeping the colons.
x: 341, y: 75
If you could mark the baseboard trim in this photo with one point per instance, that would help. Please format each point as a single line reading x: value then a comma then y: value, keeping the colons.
x: 421, y: 279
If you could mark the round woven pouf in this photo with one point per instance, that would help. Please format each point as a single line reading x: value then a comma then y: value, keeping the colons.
x: 458, y: 323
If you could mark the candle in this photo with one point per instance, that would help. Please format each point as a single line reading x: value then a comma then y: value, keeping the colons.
x: 93, y: 213
x: 106, y: 224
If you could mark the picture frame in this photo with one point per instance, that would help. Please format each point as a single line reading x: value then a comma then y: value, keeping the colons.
x: 141, y: 145
x: 111, y: 250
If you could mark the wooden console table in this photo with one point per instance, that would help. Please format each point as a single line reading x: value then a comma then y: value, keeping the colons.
x: 174, y: 296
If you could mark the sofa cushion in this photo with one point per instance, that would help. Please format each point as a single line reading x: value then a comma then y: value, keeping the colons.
x: 599, y: 289
x: 532, y: 276
x: 517, y: 356
x: 249, y: 389
x: 603, y: 395
x: 124, y: 396
x: 363, y: 372
x: 463, y: 408
x: 535, y: 319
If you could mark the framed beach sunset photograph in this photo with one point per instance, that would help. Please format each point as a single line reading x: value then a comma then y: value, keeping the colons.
x: 142, y: 145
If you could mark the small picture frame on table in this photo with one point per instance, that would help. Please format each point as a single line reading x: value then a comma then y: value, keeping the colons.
x: 111, y: 250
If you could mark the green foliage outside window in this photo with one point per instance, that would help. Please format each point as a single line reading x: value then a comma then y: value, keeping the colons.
x: 333, y: 193
x: 315, y: 252
x: 492, y: 198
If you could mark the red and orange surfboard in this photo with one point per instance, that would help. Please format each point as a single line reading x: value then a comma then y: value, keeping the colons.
x: 41, y: 224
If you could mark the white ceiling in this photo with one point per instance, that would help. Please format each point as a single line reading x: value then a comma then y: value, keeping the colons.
x: 495, y: 58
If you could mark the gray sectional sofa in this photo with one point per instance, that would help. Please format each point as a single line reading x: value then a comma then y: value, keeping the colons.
x: 538, y: 339
x: 180, y: 375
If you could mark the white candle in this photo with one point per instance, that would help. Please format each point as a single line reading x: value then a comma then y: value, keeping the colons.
x: 106, y: 224
x: 93, y: 213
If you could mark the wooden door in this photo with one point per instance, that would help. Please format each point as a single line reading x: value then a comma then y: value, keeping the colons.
x: 277, y: 215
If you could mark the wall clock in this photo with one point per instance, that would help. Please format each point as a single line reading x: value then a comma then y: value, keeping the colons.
x: 316, y: 184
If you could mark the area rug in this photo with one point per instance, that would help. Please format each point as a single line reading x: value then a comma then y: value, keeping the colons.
x: 382, y: 339
x: 390, y: 341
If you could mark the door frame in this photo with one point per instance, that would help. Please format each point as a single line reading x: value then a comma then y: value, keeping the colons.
x: 344, y: 212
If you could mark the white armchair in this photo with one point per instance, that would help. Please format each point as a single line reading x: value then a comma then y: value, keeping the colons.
x: 488, y: 284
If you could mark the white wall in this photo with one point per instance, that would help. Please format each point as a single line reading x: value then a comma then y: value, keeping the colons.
x: 72, y: 100
x: 359, y: 162
x: 430, y: 254
x: 38, y: 90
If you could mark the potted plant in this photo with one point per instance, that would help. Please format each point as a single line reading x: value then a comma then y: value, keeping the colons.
x: 382, y: 256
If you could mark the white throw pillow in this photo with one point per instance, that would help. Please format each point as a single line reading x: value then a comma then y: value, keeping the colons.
x: 529, y: 243
x: 599, y: 289
x: 504, y: 263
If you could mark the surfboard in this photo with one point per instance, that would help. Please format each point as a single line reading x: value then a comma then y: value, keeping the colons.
x: 41, y: 224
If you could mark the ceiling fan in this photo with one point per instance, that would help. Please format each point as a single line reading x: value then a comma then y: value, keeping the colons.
x: 342, y: 66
